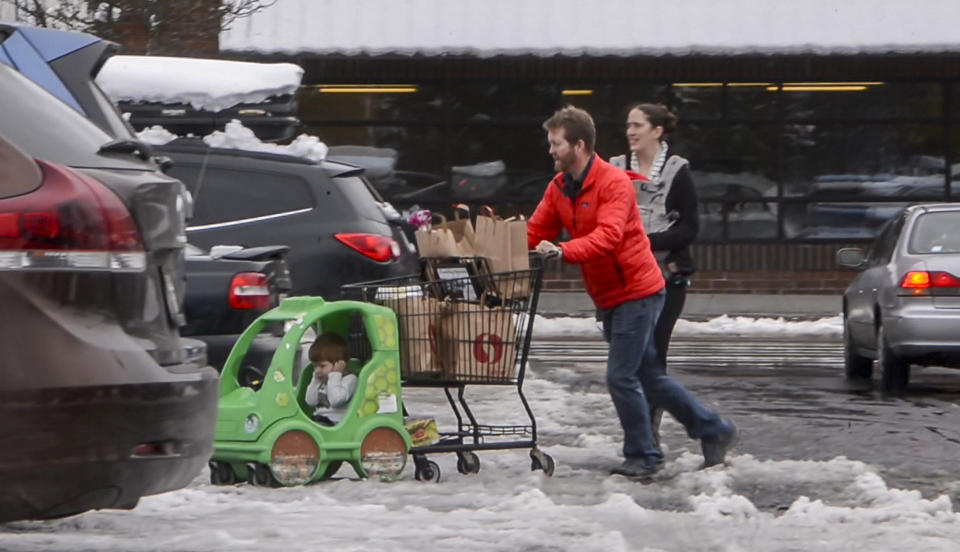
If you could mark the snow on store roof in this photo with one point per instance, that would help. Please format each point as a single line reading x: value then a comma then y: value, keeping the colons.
x: 212, y: 84
x: 604, y: 27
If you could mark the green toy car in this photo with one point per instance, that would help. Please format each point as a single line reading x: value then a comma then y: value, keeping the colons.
x: 265, y: 433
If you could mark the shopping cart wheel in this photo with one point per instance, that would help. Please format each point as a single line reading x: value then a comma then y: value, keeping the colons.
x: 540, y: 460
x: 468, y: 462
x: 425, y: 470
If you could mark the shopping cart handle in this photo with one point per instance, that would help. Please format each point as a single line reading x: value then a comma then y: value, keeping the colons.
x: 547, y: 255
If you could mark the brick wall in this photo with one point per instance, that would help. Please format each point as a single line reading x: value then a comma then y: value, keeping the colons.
x: 746, y: 268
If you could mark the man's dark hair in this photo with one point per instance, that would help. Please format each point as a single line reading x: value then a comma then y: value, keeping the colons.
x: 576, y: 123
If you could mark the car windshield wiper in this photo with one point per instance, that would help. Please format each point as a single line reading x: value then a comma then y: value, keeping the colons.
x: 142, y: 150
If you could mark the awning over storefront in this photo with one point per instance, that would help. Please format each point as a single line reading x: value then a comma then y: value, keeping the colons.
x: 486, y: 28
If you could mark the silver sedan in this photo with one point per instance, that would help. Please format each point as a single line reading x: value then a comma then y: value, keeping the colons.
x: 904, y: 306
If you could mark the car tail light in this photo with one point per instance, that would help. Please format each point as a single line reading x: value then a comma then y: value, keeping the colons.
x: 922, y: 279
x: 378, y: 248
x: 249, y: 290
x: 71, y: 222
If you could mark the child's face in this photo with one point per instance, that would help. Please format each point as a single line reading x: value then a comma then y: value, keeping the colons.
x: 324, y: 367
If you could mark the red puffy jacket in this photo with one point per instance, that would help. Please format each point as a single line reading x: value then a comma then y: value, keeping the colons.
x: 607, y: 239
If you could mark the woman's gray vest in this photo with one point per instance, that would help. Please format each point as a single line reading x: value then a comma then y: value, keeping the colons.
x: 652, y: 196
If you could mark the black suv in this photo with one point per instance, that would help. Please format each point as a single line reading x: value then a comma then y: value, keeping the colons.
x: 339, y: 231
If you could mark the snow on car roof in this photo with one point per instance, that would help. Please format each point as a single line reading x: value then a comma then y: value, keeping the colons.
x: 236, y: 136
x: 212, y: 84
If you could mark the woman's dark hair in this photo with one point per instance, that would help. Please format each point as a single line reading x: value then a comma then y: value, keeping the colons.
x: 658, y: 115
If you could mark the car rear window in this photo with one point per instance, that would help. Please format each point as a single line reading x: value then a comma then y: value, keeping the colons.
x: 936, y: 232
x: 19, y: 173
x: 226, y: 195
x: 357, y: 191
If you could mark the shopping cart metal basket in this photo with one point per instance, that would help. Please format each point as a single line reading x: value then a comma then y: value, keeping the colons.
x: 461, y: 324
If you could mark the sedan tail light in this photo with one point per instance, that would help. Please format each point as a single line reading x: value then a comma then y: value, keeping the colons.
x: 249, y: 290
x: 378, y: 248
x: 71, y: 222
x: 927, y: 280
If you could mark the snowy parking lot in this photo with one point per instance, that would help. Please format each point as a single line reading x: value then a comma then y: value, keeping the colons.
x: 817, y: 468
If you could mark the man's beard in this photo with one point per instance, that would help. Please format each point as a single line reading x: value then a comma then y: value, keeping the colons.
x: 565, y: 163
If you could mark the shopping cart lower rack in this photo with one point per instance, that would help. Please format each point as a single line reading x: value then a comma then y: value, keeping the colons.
x: 460, y: 325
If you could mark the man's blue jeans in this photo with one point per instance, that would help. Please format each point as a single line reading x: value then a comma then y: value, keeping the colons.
x: 637, y: 379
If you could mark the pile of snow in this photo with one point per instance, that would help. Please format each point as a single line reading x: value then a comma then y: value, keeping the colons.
x: 237, y: 136
x: 212, y: 84
x: 724, y: 325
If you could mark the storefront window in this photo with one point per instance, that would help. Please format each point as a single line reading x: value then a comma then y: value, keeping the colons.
x: 368, y: 102
x: 696, y: 100
x: 724, y: 215
x: 498, y: 102
x: 752, y: 101
x: 852, y: 161
x: 862, y: 100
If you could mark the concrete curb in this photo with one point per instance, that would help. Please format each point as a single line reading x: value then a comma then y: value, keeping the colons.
x: 707, y: 305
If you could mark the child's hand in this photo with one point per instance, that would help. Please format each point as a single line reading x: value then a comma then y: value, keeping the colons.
x: 340, y: 366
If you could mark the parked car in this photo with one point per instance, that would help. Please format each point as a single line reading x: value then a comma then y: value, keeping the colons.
x: 904, y: 306
x: 337, y: 230
x: 99, y: 407
x: 227, y: 289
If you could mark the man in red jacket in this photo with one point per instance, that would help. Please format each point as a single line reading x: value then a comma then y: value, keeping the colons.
x: 596, y: 204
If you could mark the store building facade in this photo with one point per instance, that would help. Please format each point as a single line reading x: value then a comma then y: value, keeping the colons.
x: 807, y: 126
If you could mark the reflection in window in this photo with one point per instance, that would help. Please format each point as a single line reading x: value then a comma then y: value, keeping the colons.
x: 875, y: 101
x: 696, y: 100
x: 752, y: 101
x: 505, y: 101
x: 733, y: 218
x: 835, y: 160
x: 837, y: 220
x: 370, y: 103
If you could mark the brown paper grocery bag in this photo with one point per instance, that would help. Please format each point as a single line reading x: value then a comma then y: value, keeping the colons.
x: 481, y: 343
x: 504, y: 243
x: 419, y: 320
x: 447, y: 239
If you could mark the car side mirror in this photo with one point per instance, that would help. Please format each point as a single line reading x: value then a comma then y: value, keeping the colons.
x: 851, y: 257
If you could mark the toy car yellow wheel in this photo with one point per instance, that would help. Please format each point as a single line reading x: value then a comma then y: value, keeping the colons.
x: 294, y: 458
x: 383, y: 453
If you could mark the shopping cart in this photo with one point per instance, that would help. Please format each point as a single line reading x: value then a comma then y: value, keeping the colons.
x: 460, y: 324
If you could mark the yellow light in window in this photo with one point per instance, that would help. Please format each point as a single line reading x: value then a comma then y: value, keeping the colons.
x: 874, y: 83
x: 366, y: 88
x: 577, y: 92
x: 838, y: 88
